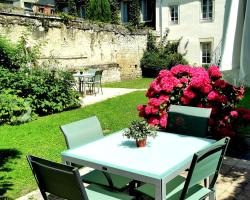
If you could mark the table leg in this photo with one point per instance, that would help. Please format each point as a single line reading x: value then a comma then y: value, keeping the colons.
x: 84, y: 87
x: 160, y: 190
x: 80, y: 84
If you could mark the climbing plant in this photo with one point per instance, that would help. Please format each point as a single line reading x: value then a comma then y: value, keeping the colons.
x: 72, y: 7
x: 134, y: 12
x: 115, y: 11
x: 70, y: 4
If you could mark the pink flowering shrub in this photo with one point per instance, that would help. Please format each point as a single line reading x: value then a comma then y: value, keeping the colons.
x: 198, y: 87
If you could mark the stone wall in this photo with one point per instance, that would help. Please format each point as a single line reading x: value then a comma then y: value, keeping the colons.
x: 78, y: 43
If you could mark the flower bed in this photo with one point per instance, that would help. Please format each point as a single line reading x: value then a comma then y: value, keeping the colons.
x: 198, y: 87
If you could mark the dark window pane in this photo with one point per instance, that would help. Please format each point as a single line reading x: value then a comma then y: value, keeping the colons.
x: 203, y: 59
x: 208, y: 59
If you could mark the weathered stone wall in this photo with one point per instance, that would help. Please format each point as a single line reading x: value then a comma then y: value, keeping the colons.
x: 78, y: 43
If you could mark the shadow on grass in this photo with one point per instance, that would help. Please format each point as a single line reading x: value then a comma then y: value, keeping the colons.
x: 6, y: 155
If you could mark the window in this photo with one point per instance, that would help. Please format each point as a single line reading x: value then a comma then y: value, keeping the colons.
x: 207, y: 10
x: 206, y: 49
x: 145, y: 10
x: 6, y: 2
x: 174, y: 14
x: 81, y: 12
x: 124, y: 11
x: 27, y: 6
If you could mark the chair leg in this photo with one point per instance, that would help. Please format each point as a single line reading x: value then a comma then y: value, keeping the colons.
x: 101, y: 86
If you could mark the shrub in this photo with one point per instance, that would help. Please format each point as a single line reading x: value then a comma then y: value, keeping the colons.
x: 16, y: 56
x: 47, y: 91
x: 43, y: 91
x: 160, y: 57
x: 198, y: 87
x: 14, y: 109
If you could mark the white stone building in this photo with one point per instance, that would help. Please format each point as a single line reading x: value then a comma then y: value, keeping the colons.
x: 198, y: 22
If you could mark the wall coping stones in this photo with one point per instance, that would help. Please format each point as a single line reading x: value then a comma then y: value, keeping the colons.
x: 56, y: 22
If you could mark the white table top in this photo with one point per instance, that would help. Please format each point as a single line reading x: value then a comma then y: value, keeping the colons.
x: 85, y: 74
x: 157, y: 160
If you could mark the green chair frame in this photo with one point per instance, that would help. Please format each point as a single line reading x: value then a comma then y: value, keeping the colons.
x: 95, y: 81
x: 188, y: 120
x: 65, y: 182
x: 85, y: 131
x: 205, y: 163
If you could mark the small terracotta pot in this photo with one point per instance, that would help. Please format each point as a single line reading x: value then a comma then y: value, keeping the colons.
x: 141, y: 143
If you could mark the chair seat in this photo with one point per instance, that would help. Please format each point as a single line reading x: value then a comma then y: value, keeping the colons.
x: 97, y: 177
x: 99, y: 192
x: 175, y: 187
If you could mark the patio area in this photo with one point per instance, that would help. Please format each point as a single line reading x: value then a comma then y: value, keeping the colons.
x: 233, y: 182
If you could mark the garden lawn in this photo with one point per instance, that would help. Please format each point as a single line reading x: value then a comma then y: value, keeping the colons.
x: 43, y: 138
x: 245, y: 103
x: 142, y: 83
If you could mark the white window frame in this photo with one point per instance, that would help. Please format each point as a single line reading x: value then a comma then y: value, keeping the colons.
x: 207, y: 51
x: 207, y: 18
x: 175, y: 19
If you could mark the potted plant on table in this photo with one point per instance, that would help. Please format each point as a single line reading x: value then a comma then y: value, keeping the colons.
x: 140, y: 130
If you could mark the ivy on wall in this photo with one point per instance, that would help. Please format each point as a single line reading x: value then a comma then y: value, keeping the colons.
x: 105, y: 10
x: 72, y: 5
x: 115, y: 11
x: 134, y: 12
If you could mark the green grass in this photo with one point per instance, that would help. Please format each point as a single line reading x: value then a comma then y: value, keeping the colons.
x: 245, y: 103
x: 43, y: 138
x: 141, y: 83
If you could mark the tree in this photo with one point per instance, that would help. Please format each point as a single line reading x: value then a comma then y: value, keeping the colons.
x: 99, y: 10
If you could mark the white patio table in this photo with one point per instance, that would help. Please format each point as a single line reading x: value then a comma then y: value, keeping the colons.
x: 82, y: 80
x: 161, y: 160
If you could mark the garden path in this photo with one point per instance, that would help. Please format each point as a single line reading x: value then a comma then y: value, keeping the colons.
x: 107, y: 94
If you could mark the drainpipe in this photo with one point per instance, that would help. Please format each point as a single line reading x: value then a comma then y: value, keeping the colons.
x: 160, y: 18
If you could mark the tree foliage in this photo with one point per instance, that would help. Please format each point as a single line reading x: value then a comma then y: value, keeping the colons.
x: 99, y: 10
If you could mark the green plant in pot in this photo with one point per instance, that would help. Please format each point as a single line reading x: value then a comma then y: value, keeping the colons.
x: 140, y: 130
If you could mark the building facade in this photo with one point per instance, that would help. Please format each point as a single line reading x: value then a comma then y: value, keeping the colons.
x: 33, y: 6
x: 199, y: 24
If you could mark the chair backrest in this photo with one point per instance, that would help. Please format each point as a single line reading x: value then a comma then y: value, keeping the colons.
x: 98, y: 75
x: 204, y: 164
x: 188, y: 120
x: 82, y: 132
x: 57, y: 179
x: 91, y: 70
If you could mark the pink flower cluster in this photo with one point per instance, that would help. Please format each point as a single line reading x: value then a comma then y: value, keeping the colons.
x: 198, y: 87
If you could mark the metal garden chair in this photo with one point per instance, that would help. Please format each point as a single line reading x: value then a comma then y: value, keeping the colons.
x: 188, y: 120
x: 85, y: 131
x: 204, y: 164
x: 65, y: 182
x: 96, y: 82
